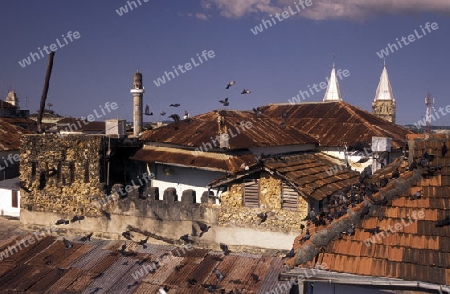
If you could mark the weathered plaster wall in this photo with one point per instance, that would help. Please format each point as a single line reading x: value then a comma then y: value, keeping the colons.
x: 234, y: 214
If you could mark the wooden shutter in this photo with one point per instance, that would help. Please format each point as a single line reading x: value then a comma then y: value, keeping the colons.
x: 289, y: 198
x: 14, y: 199
x: 250, y: 193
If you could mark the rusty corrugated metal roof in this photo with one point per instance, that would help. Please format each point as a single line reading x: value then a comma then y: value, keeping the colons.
x: 98, y: 267
x: 70, y: 124
x: 313, y: 173
x: 10, y: 136
x: 333, y: 123
x: 418, y: 250
x: 243, y: 127
x: 206, y: 160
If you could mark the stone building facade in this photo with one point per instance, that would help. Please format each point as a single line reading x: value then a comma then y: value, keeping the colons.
x: 62, y: 174
x: 234, y: 213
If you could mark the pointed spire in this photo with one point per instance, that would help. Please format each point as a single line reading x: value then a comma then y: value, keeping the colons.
x: 333, y: 92
x: 384, y: 89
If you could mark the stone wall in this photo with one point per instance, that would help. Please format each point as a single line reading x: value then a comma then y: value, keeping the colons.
x: 234, y: 214
x: 61, y: 174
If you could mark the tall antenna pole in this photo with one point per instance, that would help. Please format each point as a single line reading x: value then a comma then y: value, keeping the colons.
x: 429, y: 102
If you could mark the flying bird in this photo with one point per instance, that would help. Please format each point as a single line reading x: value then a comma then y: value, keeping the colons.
x: 225, y: 249
x: 225, y: 102
x: 106, y: 214
x: 305, y: 237
x: 230, y: 83
x: 62, y: 222
x: 350, y: 231
x: 147, y: 110
x: 443, y: 222
x: 143, y: 242
x: 395, y: 173
x: 95, y: 290
x: 163, y: 290
x: 413, y: 165
x: 245, y: 91
x: 373, y: 231
x: 162, y: 113
x: 290, y: 254
x: 87, y: 238
x: 416, y: 195
x: 186, y: 114
x: 132, y: 285
x: 185, y: 238
x: 77, y: 218
x: 262, y: 216
x: 219, y: 275
x: 383, y: 182
x: 255, y: 277
x: 174, y: 105
x: 192, y: 281
x: 175, y: 117
x: 257, y: 112
x: 127, y: 235
x: 203, y: 228
x: 67, y: 243
x: 364, y: 212
x: 215, y: 198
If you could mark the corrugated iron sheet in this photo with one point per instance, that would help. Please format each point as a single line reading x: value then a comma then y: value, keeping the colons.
x: 205, y: 160
x: 10, y: 136
x: 308, y: 172
x: 98, y: 267
x: 201, y: 129
x: 333, y: 123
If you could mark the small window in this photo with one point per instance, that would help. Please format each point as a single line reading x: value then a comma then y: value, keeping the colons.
x: 33, y: 172
x: 67, y: 173
x: 250, y: 193
x: 289, y: 197
x: 86, y: 172
x: 14, y: 199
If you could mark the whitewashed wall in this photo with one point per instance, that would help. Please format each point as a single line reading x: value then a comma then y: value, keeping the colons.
x: 6, y: 203
x: 183, y: 178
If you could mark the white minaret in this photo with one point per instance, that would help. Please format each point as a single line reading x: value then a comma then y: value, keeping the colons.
x: 138, y: 93
x: 333, y: 92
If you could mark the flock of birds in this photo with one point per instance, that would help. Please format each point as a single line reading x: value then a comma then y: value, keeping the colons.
x: 176, y: 118
x: 332, y: 207
x: 336, y: 205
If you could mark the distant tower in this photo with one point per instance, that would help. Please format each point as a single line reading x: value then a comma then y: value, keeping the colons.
x: 429, y: 102
x: 333, y: 92
x: 383, y: 104
x: 12, y: 98
x: 138, y: 93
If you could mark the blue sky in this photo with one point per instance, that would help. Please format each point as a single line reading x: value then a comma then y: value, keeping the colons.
x: 275, y: 64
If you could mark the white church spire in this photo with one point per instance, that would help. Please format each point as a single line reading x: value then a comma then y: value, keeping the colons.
x: 333, y: 92
x: 384, y: 90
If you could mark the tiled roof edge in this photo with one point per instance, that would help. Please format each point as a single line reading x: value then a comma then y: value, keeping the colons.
x: 323, y: 237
